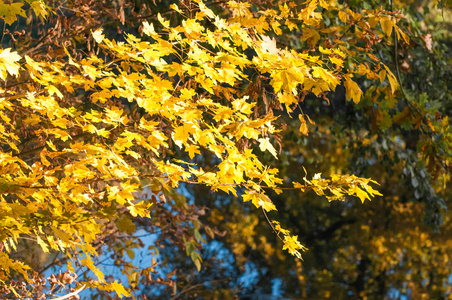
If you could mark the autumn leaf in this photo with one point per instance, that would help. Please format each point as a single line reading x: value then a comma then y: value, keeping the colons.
x: 40, y: 9
x: 264, y: 145
x: 392, y: 80
x: 9, y: 11
x: 119, y: 289
x: 352, y: 90
x: 269, y: 45
x: 362, y: 195
x: 265, y: 202
x: 91, y: 138
x: 192, y: 150
x: 343, y: 16
x: 98, y: 36
x: 292, y: 244
x: 303, y: 126
x: 387, y: 24
x: 9, y: 63
x: 267, y: 206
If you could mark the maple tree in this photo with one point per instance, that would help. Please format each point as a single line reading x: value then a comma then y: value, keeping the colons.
x: 97, y: 133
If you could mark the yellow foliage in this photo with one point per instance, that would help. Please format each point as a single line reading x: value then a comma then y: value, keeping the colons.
x: 85, y: 162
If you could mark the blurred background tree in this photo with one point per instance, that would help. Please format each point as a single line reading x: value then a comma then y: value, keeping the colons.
x: 397, y: 246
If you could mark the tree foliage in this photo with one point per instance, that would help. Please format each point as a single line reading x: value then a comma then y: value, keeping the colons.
x: 106, y: 114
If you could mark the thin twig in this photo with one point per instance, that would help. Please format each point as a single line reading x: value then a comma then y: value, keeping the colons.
x: 70, y: 294
x: 269, y: 222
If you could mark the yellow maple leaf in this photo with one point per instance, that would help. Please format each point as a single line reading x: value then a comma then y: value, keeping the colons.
x: 264, y: 144
x: 98, y: 36
x: 8, y: 63
x: 10, y: 11
x: 119, y: 289
x: 181, y: 134
x: 360, y: 193
x: 352, y: 90
x: 337, y: 61
x: 40, y: 9
x: 269, y: 45
x: 192, y: 150
x: 292, y: 244
x: 90, y: 264
x: 43, y: 245
x: 267, y: 205
x: 149, y: 30
x: 252, y: 196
